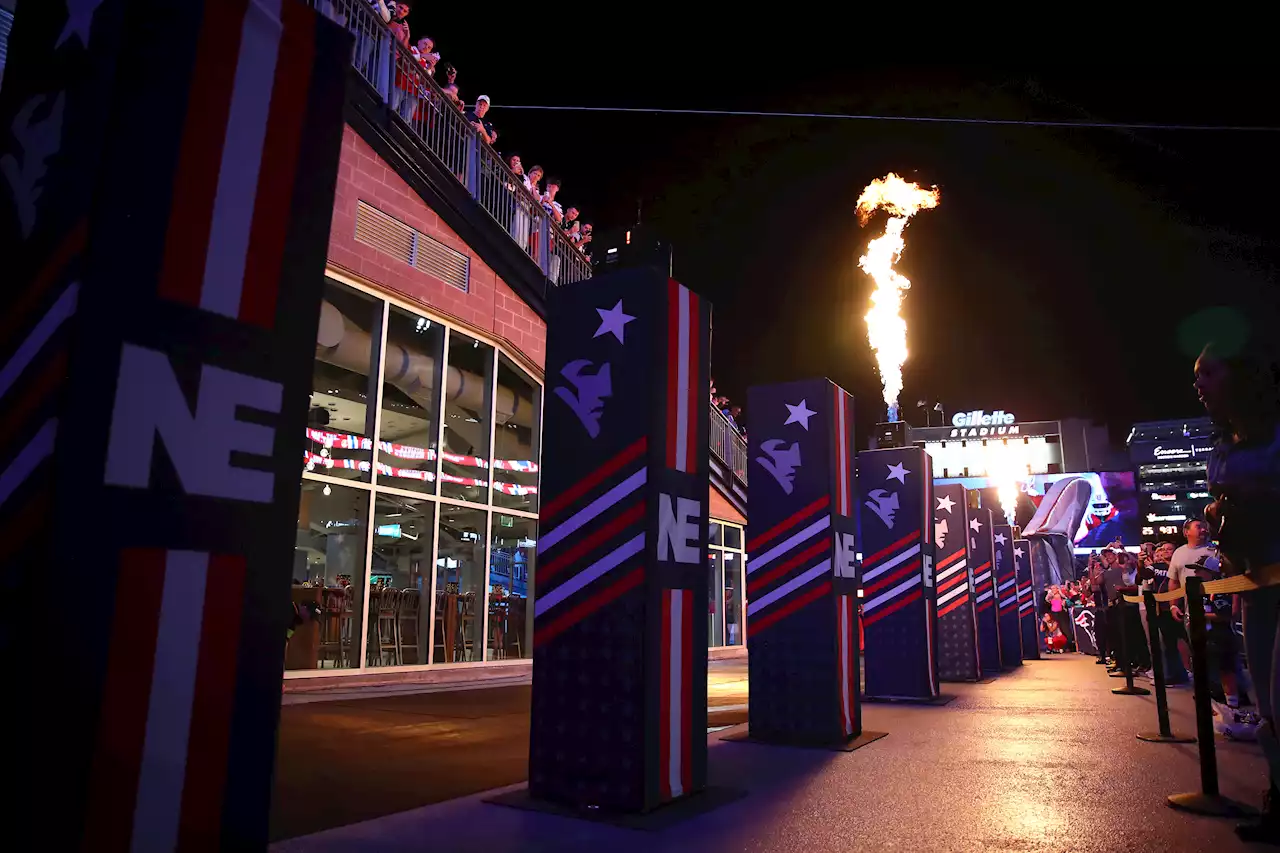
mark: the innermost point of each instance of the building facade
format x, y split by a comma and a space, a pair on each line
416, 548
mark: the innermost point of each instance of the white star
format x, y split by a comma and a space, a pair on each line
613, 320
799, 414
897, 472
975, 525
1000, 540
1018, 552
946, 503
79, 20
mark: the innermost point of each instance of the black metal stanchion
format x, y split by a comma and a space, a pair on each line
1165, 735
1206, 801
1126, 664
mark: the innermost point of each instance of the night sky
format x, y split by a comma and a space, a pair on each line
1061, 276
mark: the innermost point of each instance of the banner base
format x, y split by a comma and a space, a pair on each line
745, 736
657, 819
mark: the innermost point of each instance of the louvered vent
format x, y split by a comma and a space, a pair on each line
388, 234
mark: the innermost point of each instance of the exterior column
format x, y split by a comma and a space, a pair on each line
957, 621
1028, 609
164, 230
895, 486
1007, 597
802, 604
982, 559
619, 716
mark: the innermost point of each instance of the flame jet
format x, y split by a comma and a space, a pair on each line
886, 328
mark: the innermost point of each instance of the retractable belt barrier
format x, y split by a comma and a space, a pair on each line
1126, 661
1208, 800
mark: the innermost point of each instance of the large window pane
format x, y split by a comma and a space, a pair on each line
459, 604
410, 425
733, 566
328, 577
715, 572
733, 536
516, 438
511, 558
340, 421
400, 581
468, 399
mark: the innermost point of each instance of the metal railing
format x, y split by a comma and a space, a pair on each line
443, 128
728, 445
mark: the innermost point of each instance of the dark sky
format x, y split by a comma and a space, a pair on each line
1056, 279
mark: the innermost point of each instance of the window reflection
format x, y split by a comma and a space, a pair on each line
400, 581
726, 564
464, 468
340, 421
460, 571
516, 451
328, 577
715, 614
511, 559
409, 426
733, 598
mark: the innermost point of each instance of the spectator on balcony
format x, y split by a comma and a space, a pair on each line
476, 117
570, 215
572, 230
585, 238
520, 202
549, 203
399, 24
427, 55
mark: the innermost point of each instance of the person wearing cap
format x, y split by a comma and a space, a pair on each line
476, 117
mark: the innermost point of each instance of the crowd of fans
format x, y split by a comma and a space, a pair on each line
732, 413
413, 100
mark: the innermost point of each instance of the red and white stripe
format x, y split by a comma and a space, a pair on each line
165, 725
844, 489
848, 605
233, 188
675, 733
685, 397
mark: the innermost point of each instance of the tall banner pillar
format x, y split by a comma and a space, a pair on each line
982, 559
957, 623
802, 598
1007, 596
167, 175
1028, 611
619, 714
895, 488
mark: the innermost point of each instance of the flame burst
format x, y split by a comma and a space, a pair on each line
886, 329
1007, 469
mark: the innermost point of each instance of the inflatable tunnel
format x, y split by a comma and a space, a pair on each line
1052, 532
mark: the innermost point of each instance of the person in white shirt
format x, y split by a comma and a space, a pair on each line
1198, 548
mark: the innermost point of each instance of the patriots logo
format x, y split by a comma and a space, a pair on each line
940, 532
593, 388
883, 504
782, 462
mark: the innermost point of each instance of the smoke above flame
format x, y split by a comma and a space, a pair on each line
886, 328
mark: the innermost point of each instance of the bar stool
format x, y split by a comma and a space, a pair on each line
407, 617
388, 599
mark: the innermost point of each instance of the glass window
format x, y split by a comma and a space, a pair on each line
715, 534
515, 439
328, 577
733, 566
715, 612
733, 536
400, 581
410, 425
511, 559
340, 421
464, 470
460, 571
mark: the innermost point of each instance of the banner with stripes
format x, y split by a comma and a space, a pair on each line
895, 487
167, 193
1007, 595
801, 588
957, 623
1028, 611
981, 560
620, 590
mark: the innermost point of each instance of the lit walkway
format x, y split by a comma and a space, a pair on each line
1041, 759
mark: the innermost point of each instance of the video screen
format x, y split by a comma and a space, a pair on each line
1113, 508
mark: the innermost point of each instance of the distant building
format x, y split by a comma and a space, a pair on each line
1169, 457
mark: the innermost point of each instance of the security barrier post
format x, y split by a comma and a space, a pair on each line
1165, 734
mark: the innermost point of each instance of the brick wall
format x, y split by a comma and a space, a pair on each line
491, 305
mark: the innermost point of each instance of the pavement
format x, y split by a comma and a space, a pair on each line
1042, 759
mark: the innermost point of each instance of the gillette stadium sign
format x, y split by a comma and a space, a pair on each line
980, 424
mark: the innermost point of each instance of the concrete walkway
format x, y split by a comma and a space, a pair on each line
1044, 758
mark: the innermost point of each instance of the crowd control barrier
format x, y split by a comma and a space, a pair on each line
1126, 660
1165, 733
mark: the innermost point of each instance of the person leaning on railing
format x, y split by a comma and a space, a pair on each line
1239, 389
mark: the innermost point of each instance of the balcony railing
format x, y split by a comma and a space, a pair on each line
424, 108
728, 445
